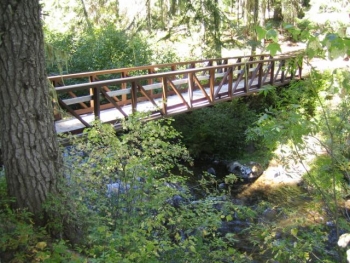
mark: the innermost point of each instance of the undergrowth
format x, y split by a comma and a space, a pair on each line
121, 201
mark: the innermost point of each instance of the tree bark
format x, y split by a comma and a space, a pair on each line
29, 144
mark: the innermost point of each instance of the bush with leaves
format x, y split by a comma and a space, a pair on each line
130, 195
328, 126
21, 241
97, 49
218, 130
100, 49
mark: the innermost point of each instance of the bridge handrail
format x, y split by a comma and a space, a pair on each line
151, 68
101, 83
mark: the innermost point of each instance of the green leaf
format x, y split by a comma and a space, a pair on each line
273, 48
229, 218
193, 249
272, 34
294, 232
261, 32
288, 26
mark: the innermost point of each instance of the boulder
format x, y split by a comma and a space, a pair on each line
117, 188
211, 171
251, 171
234, 226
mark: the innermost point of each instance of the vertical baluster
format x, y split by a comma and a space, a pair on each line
96, 100
165, 96
283, 70
211, 84
134, 96
92, 103
246, 76
173, 68
261, 68
150, 81
123, 86
225, 62
190, 88
230, 81
239, 60
272, 73
300, 67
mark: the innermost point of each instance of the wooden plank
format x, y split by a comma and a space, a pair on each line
78, 100
83, 105
119, 92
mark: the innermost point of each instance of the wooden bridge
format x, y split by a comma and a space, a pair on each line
165, 89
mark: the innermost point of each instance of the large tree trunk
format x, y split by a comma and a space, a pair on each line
29, 144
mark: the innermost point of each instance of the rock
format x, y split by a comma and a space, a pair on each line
176, 201
239, 170
333, 233
344, 240
120, 187
235, 226
251, 171
279, 174
222, 186
270, 214
117, 188
211, 171
257, 169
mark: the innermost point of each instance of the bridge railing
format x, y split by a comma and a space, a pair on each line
88, 77
193, 88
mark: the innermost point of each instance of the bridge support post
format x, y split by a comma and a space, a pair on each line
261, 68
230, 81
212, 84
190, 89
164, 96
300, 67
246, 75
134, 96
123, 86
96, 104
283, 70
272, 73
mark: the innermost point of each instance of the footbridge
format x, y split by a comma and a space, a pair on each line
165, 89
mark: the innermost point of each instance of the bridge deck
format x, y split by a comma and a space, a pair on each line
204, 87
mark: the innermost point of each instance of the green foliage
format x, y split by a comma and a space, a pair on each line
322, 115
132, 205
321, 42
120, 191
297, 245
288, 119
104, 48
218, 130
22, 241
269, 34
289, 230
330, 175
